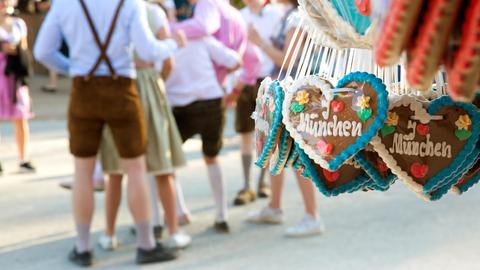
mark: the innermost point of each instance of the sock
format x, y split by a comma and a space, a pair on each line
247, 163
157, 217
83, 238
261, 178
218, 189
145, 238
182, 209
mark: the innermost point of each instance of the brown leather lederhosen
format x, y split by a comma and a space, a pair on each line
99, 100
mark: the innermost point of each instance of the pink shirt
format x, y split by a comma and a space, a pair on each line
225, 23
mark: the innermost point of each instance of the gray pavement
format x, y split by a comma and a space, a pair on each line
392, 230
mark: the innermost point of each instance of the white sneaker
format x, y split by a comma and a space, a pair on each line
180, 240
308, 226
266, 216
107, 242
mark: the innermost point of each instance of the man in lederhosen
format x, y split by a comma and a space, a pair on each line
100, 35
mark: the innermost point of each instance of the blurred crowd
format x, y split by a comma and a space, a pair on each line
148, 76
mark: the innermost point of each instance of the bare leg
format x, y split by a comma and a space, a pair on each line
157, 219
308, 194
277, 187
83, 200
182, 210
113, 198
52, 79
139, 201
167, 195
138, 195
22, 134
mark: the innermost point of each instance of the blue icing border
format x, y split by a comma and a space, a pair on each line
360, 142
377, 181
284, 152
311, 173
439, 193
293, 156
277, 121
360, 23
444, 177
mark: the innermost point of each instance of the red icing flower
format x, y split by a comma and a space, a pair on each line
331, 176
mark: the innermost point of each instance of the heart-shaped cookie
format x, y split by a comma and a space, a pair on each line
469, 179
427, 162
382, 177
268, 120
350, 177
326, 134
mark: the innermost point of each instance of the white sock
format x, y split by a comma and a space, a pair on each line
182, 209
218, 189
157, 217
83, 238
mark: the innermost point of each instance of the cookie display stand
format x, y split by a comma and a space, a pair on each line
365, 97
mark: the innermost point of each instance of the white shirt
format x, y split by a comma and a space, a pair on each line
16, 34
266, 23
193, 77
67, 20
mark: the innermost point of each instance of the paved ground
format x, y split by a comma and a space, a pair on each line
392, 230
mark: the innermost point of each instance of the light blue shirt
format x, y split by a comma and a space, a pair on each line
66, 20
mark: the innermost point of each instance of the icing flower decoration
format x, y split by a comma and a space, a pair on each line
296, 107
392, 119
363, 102
463, 122
303, 97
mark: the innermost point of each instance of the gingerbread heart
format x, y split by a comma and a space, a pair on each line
268, 123
382, 177
427, 162
350, 177
471, 177
330, 138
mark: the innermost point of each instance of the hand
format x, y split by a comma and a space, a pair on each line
9, 48
254, 36
231, 99
180, 38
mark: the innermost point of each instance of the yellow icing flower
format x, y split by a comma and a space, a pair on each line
363, 102
302, 97
392, 119
463, 122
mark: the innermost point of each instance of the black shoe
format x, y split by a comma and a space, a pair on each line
158, 254
1, 169
49, 89
157, 231
221, 227
27, 167
81, 259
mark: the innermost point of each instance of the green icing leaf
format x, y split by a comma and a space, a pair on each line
462, 134
296, 107
364, 114
387, 130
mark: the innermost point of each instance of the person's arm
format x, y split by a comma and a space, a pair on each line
49, 41
205, 21
147, 46
275, 54
222, 55
251, 65
167, 67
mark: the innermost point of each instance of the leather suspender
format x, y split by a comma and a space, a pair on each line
103, 47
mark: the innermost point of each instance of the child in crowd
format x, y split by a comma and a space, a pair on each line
15, 103
164, 146
197, 99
